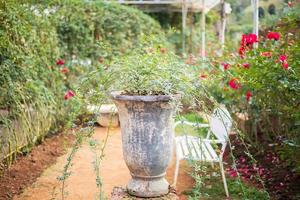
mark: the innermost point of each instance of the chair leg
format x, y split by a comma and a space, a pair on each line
224, 178
176, 171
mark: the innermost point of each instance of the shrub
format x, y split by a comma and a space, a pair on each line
45, 48
96, 30
264, 82
28, 50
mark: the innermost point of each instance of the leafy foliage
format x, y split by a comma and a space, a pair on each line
150, 72
266, 86
96, 29
46, 47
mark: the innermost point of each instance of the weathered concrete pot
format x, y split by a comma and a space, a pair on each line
147, 137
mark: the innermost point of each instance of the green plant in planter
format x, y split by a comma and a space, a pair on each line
151, 71
148, 82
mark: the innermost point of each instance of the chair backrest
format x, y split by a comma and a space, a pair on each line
220, 123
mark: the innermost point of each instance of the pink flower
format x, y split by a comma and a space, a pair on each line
69, 94
60, 62
242, 159
273, 36
225, 66
282, 58
248, 96
234, 84
232, 173
246, 65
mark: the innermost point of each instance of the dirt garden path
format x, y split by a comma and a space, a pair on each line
82, 182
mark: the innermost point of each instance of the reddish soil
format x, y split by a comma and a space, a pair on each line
26, 169
34, 177
82, 182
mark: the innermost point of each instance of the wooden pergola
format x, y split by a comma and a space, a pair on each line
203, 6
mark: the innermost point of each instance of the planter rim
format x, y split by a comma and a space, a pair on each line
117, 95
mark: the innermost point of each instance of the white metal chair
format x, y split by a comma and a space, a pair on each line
204, 149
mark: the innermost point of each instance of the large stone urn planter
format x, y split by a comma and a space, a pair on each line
147, 138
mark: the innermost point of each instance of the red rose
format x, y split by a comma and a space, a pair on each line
266, 54
247, 43
225, 66
285, 65
273, 36
69, 94
282, 58
60, 62
234, 84
64, 70
248, 96
246, 65
249, 39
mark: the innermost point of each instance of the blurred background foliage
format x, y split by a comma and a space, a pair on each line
34, 36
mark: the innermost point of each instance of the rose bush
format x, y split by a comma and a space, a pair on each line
264, 84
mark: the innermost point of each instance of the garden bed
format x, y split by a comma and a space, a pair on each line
280, 181
29, 167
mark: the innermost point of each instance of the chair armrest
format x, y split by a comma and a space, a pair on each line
197, 125
213, 141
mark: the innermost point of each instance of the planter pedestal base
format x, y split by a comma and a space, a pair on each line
120, 193
142, 187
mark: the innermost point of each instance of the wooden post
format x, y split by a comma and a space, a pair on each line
184, 14
191, 29
223, 25
255, 4
203, 30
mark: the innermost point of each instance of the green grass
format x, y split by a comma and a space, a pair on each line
189, 130
212, 188
215, 190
